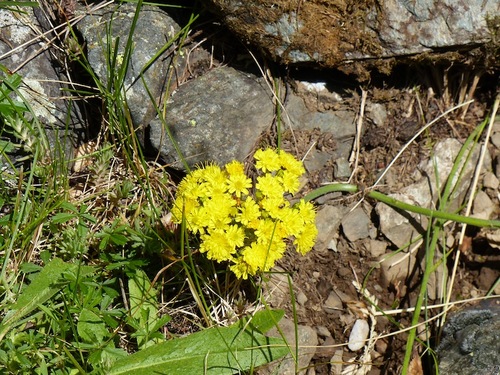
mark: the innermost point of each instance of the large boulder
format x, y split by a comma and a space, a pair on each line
216, 117
336, 33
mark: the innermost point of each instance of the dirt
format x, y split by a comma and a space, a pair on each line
324, 271
412, 96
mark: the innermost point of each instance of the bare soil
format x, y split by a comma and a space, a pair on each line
322, 271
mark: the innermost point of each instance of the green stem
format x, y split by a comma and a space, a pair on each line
436, 214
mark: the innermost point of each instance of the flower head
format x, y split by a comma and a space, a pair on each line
248, 230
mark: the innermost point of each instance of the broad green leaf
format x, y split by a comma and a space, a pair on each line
91, 327
143, 307
266, 319
62, 217
42, 288
216, 351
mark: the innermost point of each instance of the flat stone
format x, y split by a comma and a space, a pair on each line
340, 33
356, 225
483, 207
216, 117
490, 181
495, 139
328, 220
323, 331
301, 298
333, 303
307, 340
42, 85
377, 248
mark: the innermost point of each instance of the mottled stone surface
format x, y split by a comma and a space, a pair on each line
23, 51
400, 228
471, 341
337, 32
293, 333
106, 32
216, 117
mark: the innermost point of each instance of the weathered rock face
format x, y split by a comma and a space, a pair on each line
337, 32
471, 341
216, 117
23, 51
108, 29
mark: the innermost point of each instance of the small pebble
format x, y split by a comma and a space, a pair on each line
323, 331
358, 335
301, 298
332, 303
490, 181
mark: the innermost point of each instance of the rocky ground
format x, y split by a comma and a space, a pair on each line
226, 102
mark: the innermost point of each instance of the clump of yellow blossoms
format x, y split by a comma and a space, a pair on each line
245, 225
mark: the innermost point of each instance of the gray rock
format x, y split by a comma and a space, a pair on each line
396, 267
332, 303
356, 225
307, 340
328, 220
343, 170
490, 181
323, 331
340, 123
376, 248
483, 207
377, 113
338, 33
216, 117
471, 341
401, 229
108, 29
42, 83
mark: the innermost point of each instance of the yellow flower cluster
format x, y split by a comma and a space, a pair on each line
244, 224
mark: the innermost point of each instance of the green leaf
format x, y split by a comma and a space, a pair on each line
216, 350
42, 288
62, 217
143, 307
91, 327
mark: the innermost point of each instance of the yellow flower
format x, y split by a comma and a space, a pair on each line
216, 245
197, 219
242, 269
269, 186
307, 211
267, 160
268, 231
256, 256
292, 165
249, 213
235, 235
251, 232
215, 178
273, 206
221, 209
238, 184
235, 168
289, 181
305, 241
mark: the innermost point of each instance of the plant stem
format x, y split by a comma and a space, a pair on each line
350, 188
